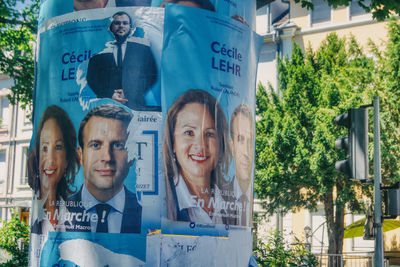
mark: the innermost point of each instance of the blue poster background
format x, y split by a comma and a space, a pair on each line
244, 8
119, 244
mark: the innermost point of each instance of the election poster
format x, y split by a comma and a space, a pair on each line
94, 158
208, 135
144, 133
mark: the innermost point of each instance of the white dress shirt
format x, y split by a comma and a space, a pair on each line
115, 51
192, 204
46, 224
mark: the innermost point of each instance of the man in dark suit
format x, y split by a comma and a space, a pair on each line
242, 148
126, 70
103, 203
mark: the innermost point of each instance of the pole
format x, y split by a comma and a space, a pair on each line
377, 188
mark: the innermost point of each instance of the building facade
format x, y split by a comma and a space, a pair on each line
282, 23
15, 136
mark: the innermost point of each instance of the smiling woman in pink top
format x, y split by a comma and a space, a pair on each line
196, 156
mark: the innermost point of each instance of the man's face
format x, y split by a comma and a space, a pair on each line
104, 157
242, 147
120, 26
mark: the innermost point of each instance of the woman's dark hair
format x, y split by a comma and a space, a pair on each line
69, 136
170, 163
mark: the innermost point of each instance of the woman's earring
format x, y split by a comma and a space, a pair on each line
174, 156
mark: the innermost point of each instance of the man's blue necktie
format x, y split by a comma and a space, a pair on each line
102, 223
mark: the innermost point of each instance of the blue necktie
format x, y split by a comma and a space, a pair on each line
102, 212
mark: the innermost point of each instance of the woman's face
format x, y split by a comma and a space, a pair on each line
52, 155
196, 142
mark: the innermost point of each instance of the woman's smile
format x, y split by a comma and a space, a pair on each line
196, 144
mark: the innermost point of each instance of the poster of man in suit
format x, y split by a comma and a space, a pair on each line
103, 203
126, 69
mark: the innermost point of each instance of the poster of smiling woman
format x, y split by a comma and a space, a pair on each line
208, 134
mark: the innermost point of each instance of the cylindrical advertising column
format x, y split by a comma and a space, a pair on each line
143, 145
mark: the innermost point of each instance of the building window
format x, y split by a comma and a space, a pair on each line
24, 167
321, 12
356, 9
27, 116
25, 215
3, 171
4, 111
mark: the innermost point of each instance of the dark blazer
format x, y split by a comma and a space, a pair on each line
233, 219
136, 76
131, 217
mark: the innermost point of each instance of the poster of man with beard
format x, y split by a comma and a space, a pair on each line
126, 69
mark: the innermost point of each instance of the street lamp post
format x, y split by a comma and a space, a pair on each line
309, 234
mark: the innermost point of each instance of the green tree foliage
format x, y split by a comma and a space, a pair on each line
275, 252
388, 84
18, 26
296, 131
11, 231
380, 9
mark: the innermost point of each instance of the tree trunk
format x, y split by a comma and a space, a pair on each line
335, 227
